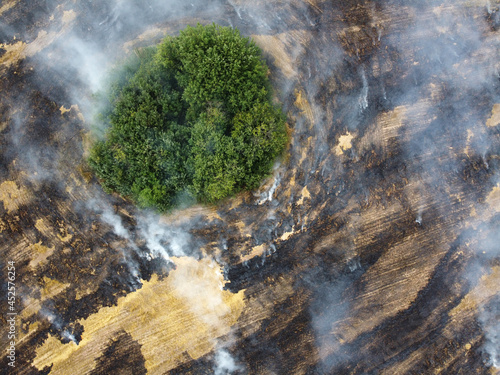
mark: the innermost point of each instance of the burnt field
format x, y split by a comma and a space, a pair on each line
373, 248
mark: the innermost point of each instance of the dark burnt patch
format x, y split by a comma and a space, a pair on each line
25, 19
122, 356
386, 346
190, 366
350, 51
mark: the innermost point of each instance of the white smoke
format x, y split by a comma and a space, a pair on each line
109, 217
162, 239
490, 322
57, 323
225, 363
267, 196
363, 96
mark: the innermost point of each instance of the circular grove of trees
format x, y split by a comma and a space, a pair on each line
190, 119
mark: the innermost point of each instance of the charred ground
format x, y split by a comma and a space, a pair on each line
374, 258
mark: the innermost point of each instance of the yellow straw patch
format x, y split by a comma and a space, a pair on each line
183, 313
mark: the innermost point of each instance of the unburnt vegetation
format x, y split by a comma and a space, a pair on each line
189, 120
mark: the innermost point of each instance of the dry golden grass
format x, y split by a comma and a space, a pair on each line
494, 120
7, 5
183, 313
344, 143
493, 199
303, 105
13, 196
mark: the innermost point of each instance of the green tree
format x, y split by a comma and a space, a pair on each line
259, 136
191, 117
214, 162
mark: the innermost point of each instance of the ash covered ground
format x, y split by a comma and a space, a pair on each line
373, 248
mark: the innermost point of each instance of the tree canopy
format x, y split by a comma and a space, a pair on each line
191, 117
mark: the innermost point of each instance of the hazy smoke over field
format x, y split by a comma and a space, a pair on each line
444, 64
70, 61
440, 75
447, 68
460, 67
80, 50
